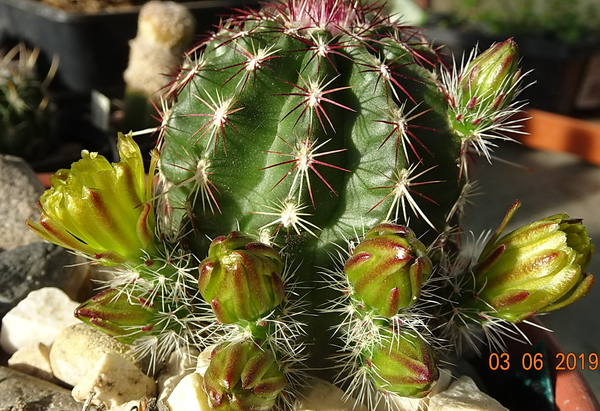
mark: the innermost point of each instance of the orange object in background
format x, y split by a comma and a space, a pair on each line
555, 132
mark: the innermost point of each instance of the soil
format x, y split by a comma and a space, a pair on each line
91, 6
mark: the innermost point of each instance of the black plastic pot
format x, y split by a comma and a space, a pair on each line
93, 48
564, 77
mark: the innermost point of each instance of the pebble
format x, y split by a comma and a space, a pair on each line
321, 395
78, 348
33, 394
144, 404
33, 360
464, 395
21, 190
40, 317
174, 370
188, 395
115, 381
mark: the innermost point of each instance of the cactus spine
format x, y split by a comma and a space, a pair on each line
312, 165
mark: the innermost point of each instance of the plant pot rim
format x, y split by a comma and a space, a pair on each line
571, 389
58, 15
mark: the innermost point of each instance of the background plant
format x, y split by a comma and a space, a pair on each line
25, 107
549, 19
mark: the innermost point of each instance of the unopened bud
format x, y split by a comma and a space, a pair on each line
241, 278
387, 268
489, 80
404, 364
242, 376
122, 316
534, 269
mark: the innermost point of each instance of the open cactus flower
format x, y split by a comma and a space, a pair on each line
313, 161
101, 210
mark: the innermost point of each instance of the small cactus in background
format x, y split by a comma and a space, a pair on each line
312, 166
25, 109
165, 31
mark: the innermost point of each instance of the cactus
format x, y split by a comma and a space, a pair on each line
165, 31
312, 166
25, 109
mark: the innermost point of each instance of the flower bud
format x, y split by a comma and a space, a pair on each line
122, 316
387, 268
488, 82
240, 278
100, 209
404, 364
534, 269
242, 376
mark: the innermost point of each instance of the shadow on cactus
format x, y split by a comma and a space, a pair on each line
313, 162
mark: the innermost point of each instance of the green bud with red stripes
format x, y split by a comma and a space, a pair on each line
536, 268
243, 376
241, 278
404, 363
387, 269
120, 315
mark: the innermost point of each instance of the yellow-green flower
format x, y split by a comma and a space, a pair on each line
535, 269
100, 209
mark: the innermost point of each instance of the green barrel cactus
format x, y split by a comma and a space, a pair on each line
302, 210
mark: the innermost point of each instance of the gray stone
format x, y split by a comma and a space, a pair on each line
20, 190
33, 394
34, 266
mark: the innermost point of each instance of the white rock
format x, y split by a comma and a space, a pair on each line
178, 366
419, 404
464, 395
204, 359
321, 395
40, 317
188, 395
33, 360
77, 349
115, 381
143, 404
128, 406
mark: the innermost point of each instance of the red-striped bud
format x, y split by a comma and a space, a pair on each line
387, 268
534, 269
241, 278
